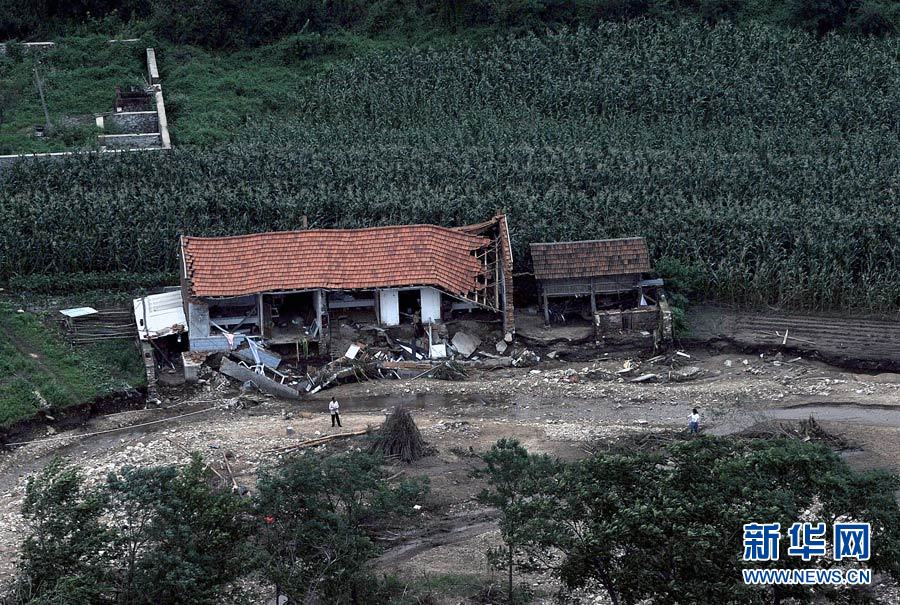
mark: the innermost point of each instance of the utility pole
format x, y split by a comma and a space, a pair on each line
48, 127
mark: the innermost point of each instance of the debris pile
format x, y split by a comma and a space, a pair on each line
805, 430
677, 372
399, 437
372, 353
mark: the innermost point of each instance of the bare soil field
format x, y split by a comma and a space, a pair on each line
560, 408
864, 342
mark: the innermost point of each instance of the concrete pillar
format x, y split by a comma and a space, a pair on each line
198, 319
431, 304
389, 304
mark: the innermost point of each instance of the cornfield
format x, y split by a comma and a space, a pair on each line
763, 163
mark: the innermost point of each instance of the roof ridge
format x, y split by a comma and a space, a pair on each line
453, 230
592, 241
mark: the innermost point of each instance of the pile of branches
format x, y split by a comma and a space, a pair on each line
399, 438
805, 430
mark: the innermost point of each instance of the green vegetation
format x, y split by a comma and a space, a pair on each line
229, 24
334, 501
40, 371
664, 526
91, 283
657, 524
169, 535
762, 164
226, 64
146, 535
79, 79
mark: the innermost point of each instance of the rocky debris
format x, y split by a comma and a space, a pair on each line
685, 374
343, 370
493, 364
646, 378
260, 381
525, 359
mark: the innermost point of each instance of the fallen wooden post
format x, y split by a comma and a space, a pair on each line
315, 442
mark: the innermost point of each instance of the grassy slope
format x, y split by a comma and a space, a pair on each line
35, 360
80, 76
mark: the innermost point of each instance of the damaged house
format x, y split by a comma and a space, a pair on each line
604, 278
285, 287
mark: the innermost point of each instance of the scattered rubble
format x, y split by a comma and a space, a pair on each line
525, 359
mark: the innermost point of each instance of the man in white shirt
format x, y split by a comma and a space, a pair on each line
694, 422
334, 407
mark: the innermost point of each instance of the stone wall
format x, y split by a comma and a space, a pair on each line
129, 141
634, 320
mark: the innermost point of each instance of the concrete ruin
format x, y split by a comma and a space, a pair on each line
128, 128
139, 118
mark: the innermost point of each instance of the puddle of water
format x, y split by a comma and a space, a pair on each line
856, 414
850, 413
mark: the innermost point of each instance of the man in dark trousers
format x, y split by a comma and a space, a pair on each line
335, 408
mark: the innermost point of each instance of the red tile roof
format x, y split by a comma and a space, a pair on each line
590, 258
346, 259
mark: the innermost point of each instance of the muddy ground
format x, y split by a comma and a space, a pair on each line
556, 407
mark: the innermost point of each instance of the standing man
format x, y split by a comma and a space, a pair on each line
334, 407
694, 422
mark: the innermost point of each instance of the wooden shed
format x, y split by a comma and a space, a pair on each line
592, 268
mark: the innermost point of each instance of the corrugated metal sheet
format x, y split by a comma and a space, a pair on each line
215, 344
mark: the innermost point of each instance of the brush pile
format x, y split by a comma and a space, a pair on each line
399, 437
805, 430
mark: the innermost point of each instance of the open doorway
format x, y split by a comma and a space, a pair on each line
410, 305
291, 316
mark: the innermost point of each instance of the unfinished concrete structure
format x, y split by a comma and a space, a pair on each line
282, 287
143, 129
610, 274
139, 120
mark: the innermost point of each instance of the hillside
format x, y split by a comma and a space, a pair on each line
39, 371
762, 164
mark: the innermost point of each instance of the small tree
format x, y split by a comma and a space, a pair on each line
158, 535
666, 527
315, 517
65, 552
176, 535
516, 482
